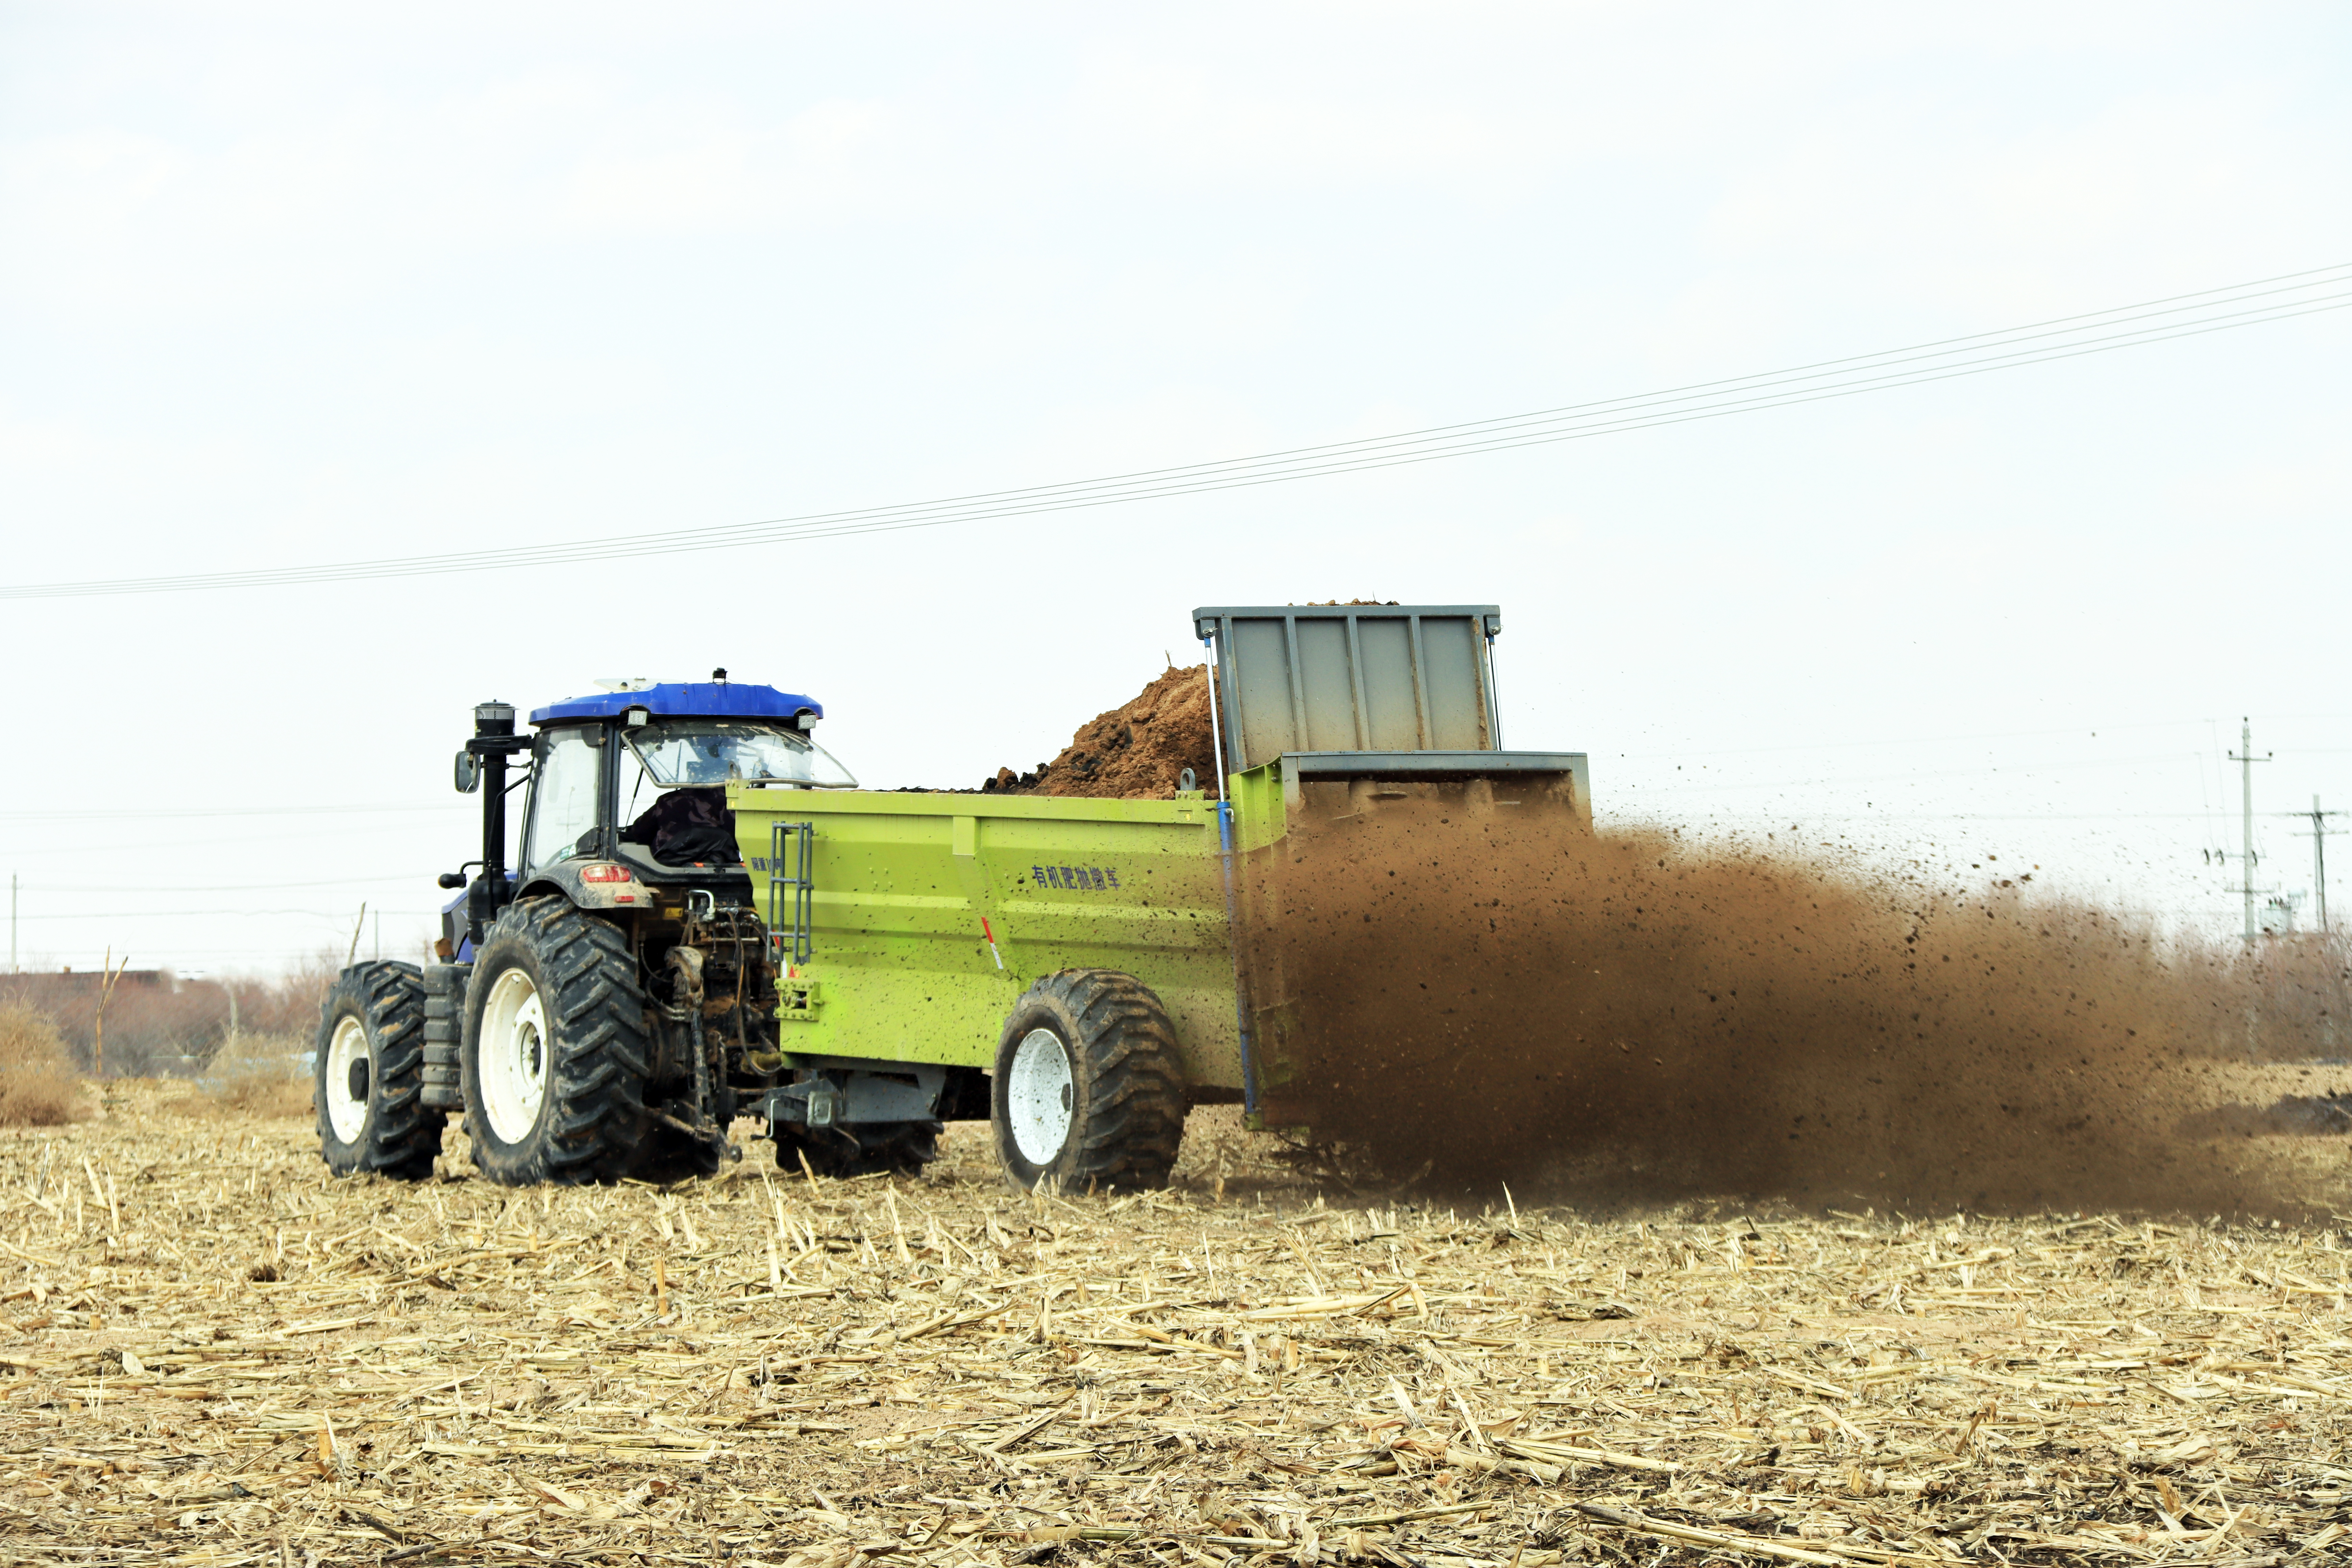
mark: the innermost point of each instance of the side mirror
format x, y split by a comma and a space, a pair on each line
469, 773
451, 878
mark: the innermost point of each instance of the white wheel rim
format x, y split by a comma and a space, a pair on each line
346, 1111
512, 1056
1039, 1096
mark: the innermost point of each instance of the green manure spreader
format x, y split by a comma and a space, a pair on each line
705, 919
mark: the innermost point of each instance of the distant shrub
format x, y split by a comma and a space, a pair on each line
159, 1025
37, 1085
252, 1075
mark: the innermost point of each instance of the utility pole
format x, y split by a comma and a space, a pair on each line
12, 923
2246, 759
2320, 834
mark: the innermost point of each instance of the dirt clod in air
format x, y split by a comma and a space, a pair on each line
1137, 751
1483, 999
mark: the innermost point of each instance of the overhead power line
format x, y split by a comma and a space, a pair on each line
77, 889
116, 815
339, 915
2239, 305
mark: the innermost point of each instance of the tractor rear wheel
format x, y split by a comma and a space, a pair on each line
1090, 1087
370, 1078
556, 1048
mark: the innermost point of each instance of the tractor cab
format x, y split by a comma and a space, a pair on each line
648, 785
626, 792
606, 1002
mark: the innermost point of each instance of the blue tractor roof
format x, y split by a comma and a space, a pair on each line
684, 699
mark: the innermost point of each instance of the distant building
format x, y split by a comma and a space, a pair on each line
2278, 913
76, 981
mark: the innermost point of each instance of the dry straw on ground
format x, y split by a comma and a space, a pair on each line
215, 1354
255, 1075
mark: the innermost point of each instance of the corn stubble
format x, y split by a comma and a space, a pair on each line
212, 1352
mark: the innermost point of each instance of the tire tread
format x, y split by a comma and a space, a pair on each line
403, 1134
1136, 1099
600, 1057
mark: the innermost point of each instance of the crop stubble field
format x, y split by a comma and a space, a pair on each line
215, 1353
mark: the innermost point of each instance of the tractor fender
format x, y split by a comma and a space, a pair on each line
576, 881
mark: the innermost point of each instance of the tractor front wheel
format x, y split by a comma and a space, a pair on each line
370, 1078
556, 1052
1089, 1089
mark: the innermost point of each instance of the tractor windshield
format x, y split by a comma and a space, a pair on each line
717, 751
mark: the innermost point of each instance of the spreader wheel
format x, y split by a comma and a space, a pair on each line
369, 1081
1088, 1092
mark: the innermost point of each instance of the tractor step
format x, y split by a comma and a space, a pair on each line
444, 1024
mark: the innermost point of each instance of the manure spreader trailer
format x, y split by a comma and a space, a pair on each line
706, 919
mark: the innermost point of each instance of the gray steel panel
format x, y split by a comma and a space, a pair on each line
1331, 678
1454, 660
1569, 778
1391, 692
1427, 764
1204, 619
1329, 686
1264, 709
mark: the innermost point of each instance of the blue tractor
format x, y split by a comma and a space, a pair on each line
604, 1007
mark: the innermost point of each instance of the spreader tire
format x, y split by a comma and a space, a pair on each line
556, 1048
1088, 1092
369, 1082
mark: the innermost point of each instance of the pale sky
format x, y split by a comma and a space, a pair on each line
282, 284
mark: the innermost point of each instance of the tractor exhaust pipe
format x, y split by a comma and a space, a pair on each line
494, 739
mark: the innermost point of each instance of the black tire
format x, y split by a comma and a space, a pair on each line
896, 1148
1120, 1076
370, 1075
563, 1099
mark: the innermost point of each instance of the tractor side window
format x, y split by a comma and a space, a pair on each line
562, 798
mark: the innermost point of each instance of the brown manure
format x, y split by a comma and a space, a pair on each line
1137, 751
1484, 999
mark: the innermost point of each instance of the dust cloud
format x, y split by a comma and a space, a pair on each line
1482, 998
